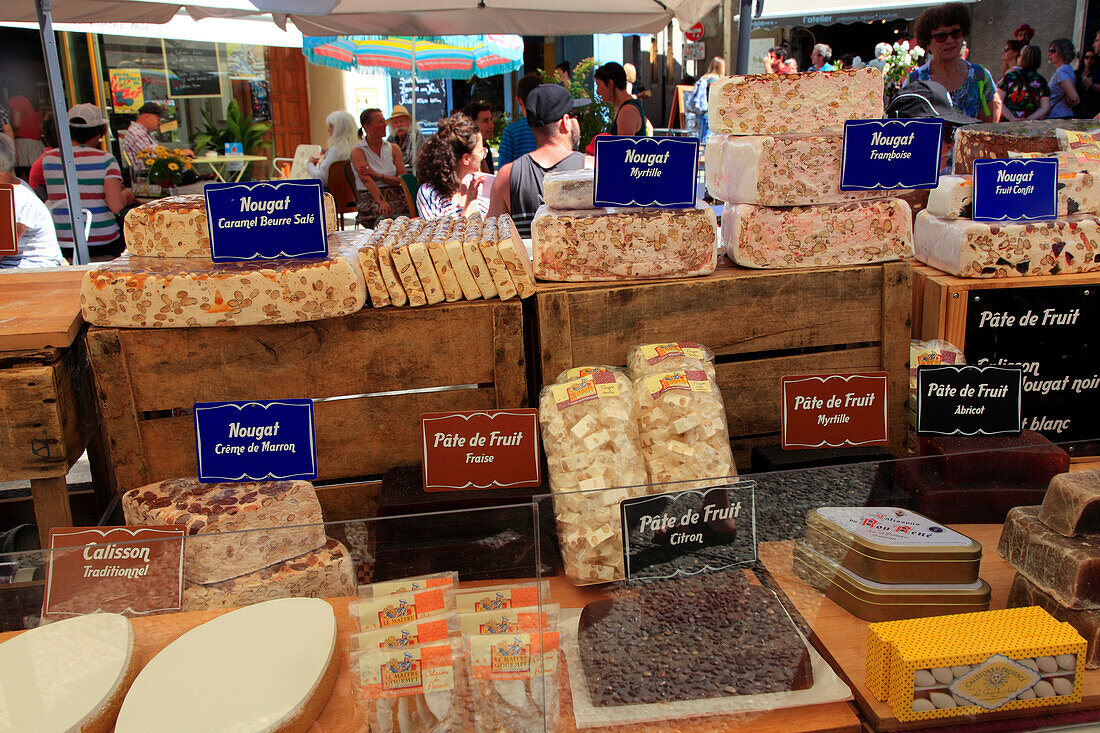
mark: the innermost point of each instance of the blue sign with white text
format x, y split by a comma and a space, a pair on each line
888, 154
266, 220
1016, 189
259, 440
646, 171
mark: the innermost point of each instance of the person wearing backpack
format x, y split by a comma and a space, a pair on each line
697, 102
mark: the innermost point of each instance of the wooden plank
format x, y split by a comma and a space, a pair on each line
555, 345
349, 502
842, 638
934, 313
896, 330
41, 308
358, 437
509, 362
369, 351
51, 506
734, 313
742, 448
125, 452
32, 429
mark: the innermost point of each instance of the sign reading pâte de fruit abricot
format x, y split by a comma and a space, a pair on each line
1015, 190
131, 570
645, 171
835, 410
8, 241
889, 154
258, 440
266, 220
969, 400
481, 449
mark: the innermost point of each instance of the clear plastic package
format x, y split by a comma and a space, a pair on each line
506, 289
368, 261
437, 249
584, 371
422, 261
510, 620
682, 429
409, 585
383, 611
514, 682
926, 353
421, 689
430, 630
646, 359
590, 435
499, 597
471, 249
569, 189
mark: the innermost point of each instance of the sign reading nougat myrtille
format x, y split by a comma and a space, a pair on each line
645, 171
266, 220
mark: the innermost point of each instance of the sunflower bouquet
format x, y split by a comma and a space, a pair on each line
165, 167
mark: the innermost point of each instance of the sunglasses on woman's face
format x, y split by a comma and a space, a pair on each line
954, 34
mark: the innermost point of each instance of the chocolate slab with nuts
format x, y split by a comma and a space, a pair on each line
688, 639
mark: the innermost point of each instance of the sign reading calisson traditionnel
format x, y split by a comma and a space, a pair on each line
645, 171
266, 220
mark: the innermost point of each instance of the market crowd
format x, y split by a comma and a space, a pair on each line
392, 168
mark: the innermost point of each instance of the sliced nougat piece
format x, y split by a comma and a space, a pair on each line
458, 260
472, 251
514, 254
437, 250
488, 245
422, 261
384, 250
372, 272
403, 265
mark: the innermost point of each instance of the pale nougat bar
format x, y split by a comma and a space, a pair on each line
623, 244
422, 261
403, 263
325, 573
773, 104
368, 261
682, 429
595, 461
817, 236
458, 259
232, 528
437, 249
514, 254
178, 292
1078, 193
506, 289
779, 170
176, 226
471, 250
1008, 249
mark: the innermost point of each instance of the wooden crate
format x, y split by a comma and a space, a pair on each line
761, 324
357, 363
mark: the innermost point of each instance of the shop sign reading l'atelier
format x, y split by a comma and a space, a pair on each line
266, 220
645, 171
481, 449
834, 411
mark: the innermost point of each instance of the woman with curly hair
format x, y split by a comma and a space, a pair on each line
450, 166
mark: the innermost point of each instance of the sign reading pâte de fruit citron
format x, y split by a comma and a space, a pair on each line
266, 220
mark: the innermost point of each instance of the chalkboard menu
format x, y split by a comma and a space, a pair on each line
192, 68
1053, 333
431, 98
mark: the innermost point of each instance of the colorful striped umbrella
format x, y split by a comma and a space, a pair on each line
423, 57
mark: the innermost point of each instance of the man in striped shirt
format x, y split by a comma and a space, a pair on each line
100, 187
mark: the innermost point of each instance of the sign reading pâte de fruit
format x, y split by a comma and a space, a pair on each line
8, 239
482, 449
835, 410
266, 220
130, 570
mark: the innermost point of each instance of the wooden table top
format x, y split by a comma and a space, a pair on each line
39, 309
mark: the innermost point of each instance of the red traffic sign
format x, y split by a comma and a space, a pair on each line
695, 33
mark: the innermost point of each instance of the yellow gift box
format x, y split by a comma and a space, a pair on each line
974, 663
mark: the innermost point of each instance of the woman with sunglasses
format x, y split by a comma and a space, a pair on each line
942, 30
1063, 90
1088, 84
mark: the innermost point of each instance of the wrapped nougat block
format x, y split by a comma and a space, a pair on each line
384, 251
458, 260
682, 428
1081, 161
592, 451
514, 682
422, 261
1076, 140
437, 249
494, 262
418, 689
403, 264
368, 261
646, 359
515, 256
584, 371
569, 189
472, 250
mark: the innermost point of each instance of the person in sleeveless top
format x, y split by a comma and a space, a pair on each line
378, 165
629, 119
517, 189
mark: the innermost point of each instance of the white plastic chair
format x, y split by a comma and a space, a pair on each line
302, 154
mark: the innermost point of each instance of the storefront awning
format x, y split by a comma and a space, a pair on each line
791, 13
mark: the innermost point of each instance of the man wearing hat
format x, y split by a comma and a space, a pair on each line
137, 142
407, 135
517, 189
1024, 33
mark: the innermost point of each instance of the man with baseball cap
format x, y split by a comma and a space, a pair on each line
517, 189
137, 142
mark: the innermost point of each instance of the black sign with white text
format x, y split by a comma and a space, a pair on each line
969, 400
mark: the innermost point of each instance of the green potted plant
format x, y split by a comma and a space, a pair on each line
239, 128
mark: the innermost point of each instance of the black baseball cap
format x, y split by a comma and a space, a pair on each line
548, 103
926, 99
151, 108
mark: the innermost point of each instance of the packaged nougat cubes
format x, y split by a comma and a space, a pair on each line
590, 436
647, 359
682, 428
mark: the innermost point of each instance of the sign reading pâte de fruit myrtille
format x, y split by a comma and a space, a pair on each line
888, 154
1015, 190
835, 410
266, 220
259, 440
969, 400
691, 531
645, 171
